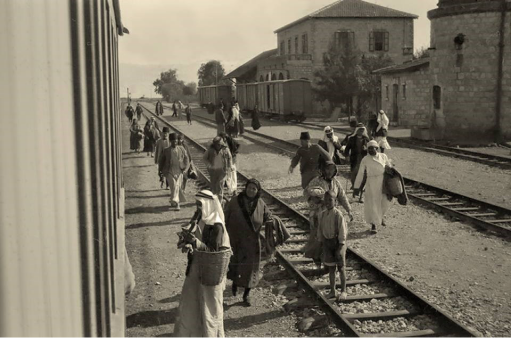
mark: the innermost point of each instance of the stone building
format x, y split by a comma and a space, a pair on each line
462, 91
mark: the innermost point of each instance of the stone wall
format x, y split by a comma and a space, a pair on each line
468, 76
414, 109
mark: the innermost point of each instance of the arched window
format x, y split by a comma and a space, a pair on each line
281, 76
261, 78
436, 97
266, 77
288, 76
273, 77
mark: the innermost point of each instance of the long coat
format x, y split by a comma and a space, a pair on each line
136, 136
244, 235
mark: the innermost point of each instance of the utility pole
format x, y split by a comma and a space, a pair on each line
215, 74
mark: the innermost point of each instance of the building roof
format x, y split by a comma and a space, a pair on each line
352, 9
405, 67
252, 63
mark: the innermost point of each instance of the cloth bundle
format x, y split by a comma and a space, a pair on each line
392, 178
276, 234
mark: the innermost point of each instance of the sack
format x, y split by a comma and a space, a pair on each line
192, 174
394, 185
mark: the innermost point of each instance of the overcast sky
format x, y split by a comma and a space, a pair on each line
182, 34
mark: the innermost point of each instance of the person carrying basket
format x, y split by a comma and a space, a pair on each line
206, 241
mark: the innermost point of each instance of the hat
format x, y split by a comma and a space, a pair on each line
381, 111
165, 129
328, 130
218, 140
373, 143
305, 136
173, 137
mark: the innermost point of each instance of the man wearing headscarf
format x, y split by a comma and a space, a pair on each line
219, 163
331, 144
201, 312
376, 202
172, 164
138, 110
381, 132
353, 126
357, 149
309, 155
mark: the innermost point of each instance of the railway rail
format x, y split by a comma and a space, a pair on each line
484, 215
365, 281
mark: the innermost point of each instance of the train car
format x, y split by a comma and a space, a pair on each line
289, 99
241, 96
215, 93
62, 252
251, 95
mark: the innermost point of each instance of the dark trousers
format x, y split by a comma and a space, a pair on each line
189, 118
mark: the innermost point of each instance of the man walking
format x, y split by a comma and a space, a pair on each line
220, 119
219, 162
309, 156
138, 110
172, 164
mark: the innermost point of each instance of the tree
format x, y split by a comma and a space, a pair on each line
347, 75
190, 89
211, 73
169, 86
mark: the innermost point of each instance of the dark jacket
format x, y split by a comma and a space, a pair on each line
336, 158
220, 118
389, 173
351, 148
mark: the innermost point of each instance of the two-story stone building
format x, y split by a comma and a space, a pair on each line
370, 28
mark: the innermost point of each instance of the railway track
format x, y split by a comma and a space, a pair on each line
484, 215
394, 310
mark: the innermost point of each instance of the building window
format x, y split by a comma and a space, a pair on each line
404, 96
344, 40
261, 78
296, 45
289, 46
304, 43
266, 77
273, 77
436, 96
281, 76
379, 41
387, 92
282, 48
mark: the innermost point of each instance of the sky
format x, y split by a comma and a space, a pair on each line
183, 34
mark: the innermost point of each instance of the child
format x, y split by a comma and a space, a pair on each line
332, 232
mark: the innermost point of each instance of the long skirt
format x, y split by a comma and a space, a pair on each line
383, 142
375, 202
149, 144
232, 181
221, 128
217, 179
135, 141
175, 182
354, 168
200, 312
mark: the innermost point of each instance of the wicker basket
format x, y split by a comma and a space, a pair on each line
213, 266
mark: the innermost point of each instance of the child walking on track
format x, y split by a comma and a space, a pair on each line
332, 232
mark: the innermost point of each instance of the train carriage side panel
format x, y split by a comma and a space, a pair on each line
281, 98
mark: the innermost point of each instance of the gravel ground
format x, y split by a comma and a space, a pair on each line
457, 175
465, 272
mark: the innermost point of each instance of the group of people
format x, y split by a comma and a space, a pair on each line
142, 138
228, 119
324, 192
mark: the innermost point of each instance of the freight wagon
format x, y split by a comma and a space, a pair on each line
213, 94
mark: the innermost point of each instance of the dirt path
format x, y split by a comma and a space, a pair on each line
465, 272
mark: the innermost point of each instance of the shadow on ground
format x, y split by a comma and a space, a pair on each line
152, 318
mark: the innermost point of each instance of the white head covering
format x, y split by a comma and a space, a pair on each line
211, 213
329, 141
373, 143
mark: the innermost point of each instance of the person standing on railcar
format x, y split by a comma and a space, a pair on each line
357, 150
219, 163
220, 120
376, 202
188, 112
172, 164
136, 136
381, 132
138, 110
309, 155
161, 144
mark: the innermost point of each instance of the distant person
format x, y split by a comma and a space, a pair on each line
233, 146
136, 136
181, 142
255, 124
172, 165
188, 112
222, 104
174, 110
160, 146
220, 120
332, 232
233, 121
353, 125
381, 132
151, 135
219, 163
159, 109
356, 150
309, 156
372, 125
376, 202
138, 110
129, 112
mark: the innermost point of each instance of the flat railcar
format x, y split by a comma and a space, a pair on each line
62, 202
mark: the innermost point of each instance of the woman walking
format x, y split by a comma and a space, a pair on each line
245, 215
357, 149
376, 202
151, 135
381, 132
201, 311
136, 136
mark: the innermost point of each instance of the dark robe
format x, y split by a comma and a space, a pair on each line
244, 233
